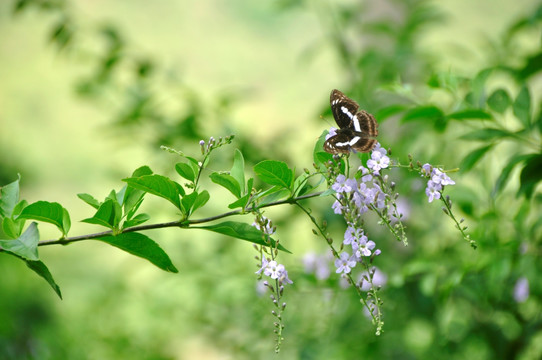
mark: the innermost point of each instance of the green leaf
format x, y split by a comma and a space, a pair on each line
321, 158
427, 113
241, 231
187, 201
9, 197
39, 268
279, 194
470, 114
158, 185
238, 169
201, 200
12, 228
66, 222
25, 246
133, 197
18, 209
530, 176
499, 101
132, 201
241, 202
532, 66
267, 192
50, 212
185, 171
136, 220
227, 181
180, 189
300, 184
89, 199
486, 134
142, 170
116, 197
471, 159
108, 215
522, 107
319, 148
505, 173
193, 163
478, 87
274, 173
141, 245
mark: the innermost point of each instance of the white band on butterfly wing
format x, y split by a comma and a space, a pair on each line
353, 117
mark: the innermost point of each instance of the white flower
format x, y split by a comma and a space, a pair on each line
345, 263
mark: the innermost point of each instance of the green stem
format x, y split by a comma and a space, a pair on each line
457, 223
349, 276
181, 224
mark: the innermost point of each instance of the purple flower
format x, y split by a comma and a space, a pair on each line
274, 271
364, 248
342, 184
345, 263
365, 174
359, 201
441, 178
378, 160
380, 149
283, 277
521, 290
433, 190
353, 235
437, 182
337, 207
264, 266
427, 169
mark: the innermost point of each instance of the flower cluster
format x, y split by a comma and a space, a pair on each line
270, 268
275, 271
264, 225
356, 197
361, 247
207, 147
379, 159
437, 180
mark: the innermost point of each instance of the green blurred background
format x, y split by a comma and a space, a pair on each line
89, 90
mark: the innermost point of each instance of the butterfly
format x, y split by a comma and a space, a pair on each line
357, 128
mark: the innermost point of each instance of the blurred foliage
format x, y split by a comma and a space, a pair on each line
133, 86
441, 297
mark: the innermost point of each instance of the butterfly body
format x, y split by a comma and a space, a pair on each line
357, 128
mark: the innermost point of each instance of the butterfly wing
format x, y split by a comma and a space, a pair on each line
347, 140
339, 143
367, 123
344, 109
